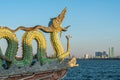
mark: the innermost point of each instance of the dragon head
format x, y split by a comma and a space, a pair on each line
57, 21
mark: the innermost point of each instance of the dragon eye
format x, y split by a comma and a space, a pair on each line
57, 21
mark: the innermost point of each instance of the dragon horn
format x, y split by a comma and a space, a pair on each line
62, 15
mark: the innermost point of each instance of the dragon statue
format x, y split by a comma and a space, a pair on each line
40, 66
31, 33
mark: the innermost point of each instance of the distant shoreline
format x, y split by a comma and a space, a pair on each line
99, 59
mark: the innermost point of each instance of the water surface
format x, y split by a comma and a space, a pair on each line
95, 70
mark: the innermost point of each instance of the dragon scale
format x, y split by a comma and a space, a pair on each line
12, 44
41, 49
27, 47
57, 46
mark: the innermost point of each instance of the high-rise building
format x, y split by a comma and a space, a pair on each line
111, 52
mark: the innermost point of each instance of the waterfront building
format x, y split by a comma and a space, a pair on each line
111, 52
86, 56
98, 54
101, 54
104, 54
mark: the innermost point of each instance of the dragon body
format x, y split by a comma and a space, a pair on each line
30, 34
12, 44
27, 39
57, 46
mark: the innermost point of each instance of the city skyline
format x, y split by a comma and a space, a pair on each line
100, 54
94, 24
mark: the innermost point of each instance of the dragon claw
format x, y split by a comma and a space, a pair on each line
68, 36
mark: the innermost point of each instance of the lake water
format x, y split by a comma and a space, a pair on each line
95, 70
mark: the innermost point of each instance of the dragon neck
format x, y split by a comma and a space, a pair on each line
56, 43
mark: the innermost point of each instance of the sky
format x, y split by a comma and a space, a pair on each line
95, 24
